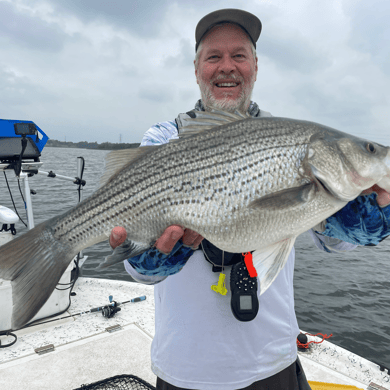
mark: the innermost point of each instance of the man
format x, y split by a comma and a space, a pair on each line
198, 343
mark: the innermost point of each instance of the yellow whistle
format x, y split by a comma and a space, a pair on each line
220, 288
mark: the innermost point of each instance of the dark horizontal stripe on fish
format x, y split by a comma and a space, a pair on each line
205, 167
125, 207
142, 180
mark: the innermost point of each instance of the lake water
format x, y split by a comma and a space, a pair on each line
347, 295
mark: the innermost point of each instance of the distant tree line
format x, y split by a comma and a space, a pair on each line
90, 145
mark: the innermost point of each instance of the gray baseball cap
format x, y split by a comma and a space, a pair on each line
250, 23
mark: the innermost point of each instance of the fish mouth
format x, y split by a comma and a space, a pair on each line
325, 188
330, 192
322, 184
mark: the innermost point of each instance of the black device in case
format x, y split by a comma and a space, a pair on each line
244, 302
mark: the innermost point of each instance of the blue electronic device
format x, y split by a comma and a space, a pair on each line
12, 134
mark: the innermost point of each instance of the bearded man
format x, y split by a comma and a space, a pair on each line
199, 343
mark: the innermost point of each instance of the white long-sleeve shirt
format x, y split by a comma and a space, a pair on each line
198, 343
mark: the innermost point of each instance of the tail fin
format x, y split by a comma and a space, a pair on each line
34, 262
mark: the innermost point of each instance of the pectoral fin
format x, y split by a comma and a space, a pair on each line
125, 251
288, 198
270, 261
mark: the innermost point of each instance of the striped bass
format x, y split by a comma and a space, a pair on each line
244, 184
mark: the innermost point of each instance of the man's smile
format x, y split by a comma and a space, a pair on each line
226, 85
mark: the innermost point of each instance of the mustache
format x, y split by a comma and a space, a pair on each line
231, 77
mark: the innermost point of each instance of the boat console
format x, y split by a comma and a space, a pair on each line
11, 134
21, 144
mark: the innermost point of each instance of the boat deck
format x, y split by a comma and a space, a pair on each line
85, 352
81, 362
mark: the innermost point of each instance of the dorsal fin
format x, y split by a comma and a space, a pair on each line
118, 159
204, 120
207, 119
197, 121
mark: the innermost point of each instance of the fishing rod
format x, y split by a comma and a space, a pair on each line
108, 311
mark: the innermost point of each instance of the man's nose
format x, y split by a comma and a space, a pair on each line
227, 65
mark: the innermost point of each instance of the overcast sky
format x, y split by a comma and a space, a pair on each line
94, 69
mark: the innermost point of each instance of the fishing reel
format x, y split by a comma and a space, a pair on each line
108, 311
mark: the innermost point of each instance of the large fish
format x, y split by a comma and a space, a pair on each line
245, 184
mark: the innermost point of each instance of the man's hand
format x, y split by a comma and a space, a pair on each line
383, 198
173, 234
363, 221
166, 242
168, 256
117, 237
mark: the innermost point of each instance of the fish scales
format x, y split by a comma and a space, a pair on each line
167, 189
246, 185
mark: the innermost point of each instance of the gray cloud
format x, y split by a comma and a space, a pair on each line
17, 90
345, 109
190, 95
96, 71
341, 108
184, 58
142, 17
370, 29
156, 92
130, 72
28, 31
291, 52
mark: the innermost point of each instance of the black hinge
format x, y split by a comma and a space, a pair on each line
45, 349
113, 328
374, 386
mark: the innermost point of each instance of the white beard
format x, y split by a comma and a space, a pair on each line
225, 104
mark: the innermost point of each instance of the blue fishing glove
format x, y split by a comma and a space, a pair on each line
154, 262
361, 222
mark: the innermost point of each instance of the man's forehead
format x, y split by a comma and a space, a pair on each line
217, 48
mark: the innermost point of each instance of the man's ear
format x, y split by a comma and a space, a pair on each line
196, 73
256, 70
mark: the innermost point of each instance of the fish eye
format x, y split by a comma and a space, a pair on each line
370, 147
